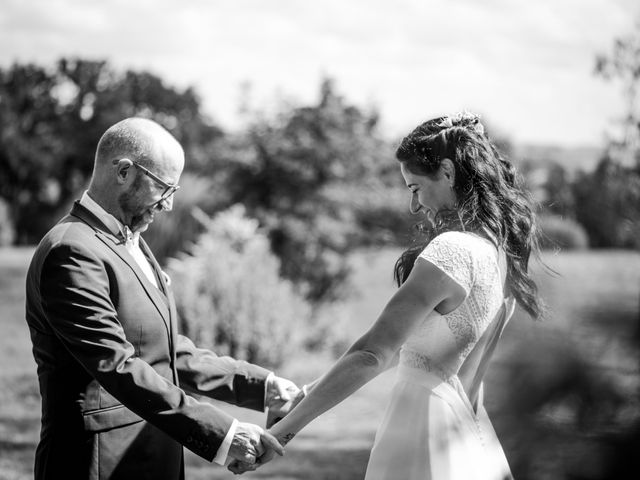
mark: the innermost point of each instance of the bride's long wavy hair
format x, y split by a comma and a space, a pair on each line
490, 198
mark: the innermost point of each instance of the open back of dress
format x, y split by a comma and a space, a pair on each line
474, 368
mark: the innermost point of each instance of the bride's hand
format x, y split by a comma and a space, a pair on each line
239, 467
278, 411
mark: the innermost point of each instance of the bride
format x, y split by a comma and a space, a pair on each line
457, 291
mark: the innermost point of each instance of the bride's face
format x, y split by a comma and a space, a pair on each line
429, 195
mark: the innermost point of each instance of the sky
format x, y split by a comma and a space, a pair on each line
525, 65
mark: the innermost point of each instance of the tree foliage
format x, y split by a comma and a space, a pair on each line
52, 118
295, 173
608, 199
623, 64
608, 204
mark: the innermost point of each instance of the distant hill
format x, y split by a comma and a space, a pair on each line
571, 158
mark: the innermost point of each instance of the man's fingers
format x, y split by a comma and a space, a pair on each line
239, 467
259, 449
235, 467
269, 441
266, 458
283, 393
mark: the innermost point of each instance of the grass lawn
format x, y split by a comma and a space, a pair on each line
593, 310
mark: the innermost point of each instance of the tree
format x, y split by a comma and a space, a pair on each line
558, 192
608, 204
50, 123
608, 199
297, 174
623, 64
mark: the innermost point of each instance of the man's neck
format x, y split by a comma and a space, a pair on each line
106, 202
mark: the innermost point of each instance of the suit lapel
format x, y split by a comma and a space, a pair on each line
166, 289
117, 245
173, 315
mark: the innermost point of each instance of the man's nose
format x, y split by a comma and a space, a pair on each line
166, 204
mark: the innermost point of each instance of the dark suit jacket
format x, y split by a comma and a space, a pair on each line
113, 371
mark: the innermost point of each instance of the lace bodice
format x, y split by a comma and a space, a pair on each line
442, 342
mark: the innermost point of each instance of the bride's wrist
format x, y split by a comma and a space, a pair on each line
285, 438
283, 435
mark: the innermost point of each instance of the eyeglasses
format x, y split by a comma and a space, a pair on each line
169, 189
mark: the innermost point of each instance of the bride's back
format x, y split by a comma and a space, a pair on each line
446, 344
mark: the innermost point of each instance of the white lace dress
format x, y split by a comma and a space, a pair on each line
435, 426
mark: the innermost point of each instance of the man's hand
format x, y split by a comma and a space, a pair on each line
280, 390
282, 396
251, 442
239, 467
277, 411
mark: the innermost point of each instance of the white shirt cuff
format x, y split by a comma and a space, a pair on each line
267, 382
223, 451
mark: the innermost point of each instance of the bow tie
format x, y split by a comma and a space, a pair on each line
126, 235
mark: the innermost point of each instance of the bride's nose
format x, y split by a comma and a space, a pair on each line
414, 204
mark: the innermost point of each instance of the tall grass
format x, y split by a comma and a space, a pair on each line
19, 397
593, 318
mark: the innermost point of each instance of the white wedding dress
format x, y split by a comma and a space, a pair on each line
435, 426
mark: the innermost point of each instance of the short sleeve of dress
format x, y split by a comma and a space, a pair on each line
452, 252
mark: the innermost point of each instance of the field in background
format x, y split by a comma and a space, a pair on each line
593, 307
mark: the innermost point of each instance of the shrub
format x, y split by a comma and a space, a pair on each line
230, 297
330, 329
172, 231
608, 204
562, 233
380, 213
7, 231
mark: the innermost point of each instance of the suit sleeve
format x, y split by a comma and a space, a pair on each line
74, 289
222, 378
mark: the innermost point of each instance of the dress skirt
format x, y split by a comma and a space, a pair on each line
430, 431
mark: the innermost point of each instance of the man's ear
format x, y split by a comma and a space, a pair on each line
123, 168
448, 170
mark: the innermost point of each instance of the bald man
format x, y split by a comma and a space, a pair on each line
115, 377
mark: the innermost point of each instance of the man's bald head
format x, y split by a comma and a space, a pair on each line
137, 162
141, 140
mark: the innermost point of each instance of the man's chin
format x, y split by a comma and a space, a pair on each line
141, 223
142, 228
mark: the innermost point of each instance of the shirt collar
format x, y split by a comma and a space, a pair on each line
112, 223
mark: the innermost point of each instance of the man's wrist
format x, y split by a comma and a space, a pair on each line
268, 388
222, 455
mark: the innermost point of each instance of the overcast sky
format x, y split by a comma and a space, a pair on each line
525, 65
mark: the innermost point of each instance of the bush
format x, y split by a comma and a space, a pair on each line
329, 331
230, 297
173, 231
379, 212
7, 231
608, 204
562, 233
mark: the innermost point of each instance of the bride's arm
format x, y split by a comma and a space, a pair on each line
310, 386
426, 288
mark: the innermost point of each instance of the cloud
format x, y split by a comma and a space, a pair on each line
527, 65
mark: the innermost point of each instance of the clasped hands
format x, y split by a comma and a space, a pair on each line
252, 446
